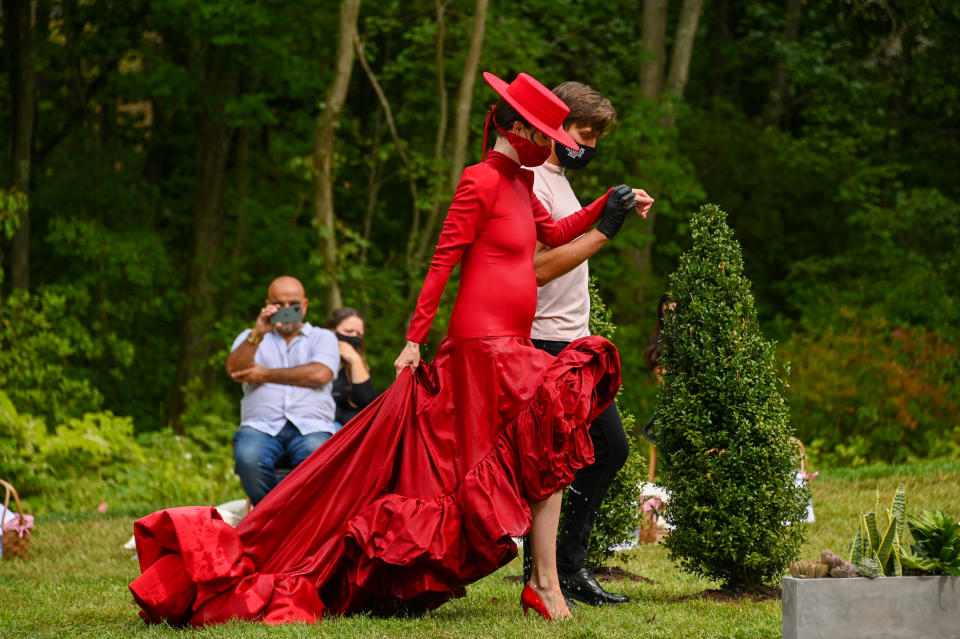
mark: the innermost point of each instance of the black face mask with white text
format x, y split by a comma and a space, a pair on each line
575, 159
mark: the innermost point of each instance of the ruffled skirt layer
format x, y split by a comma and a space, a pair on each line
415, 498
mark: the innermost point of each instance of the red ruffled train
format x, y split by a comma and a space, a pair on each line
414, 499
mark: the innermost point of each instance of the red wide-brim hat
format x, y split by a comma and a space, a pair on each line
537, 104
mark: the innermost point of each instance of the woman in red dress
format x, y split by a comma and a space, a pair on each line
422, 492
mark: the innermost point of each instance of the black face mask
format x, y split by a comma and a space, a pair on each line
575, 159
352, 340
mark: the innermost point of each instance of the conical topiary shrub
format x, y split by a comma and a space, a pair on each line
722, 422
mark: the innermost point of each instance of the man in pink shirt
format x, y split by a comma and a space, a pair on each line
563, 313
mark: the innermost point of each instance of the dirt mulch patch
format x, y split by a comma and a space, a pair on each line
732, 596
613, 573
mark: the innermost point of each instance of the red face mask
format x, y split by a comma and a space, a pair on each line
528, 153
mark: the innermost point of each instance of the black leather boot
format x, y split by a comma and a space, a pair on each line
576, 580
582, 586
527, 560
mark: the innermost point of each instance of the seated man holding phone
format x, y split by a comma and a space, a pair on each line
287, 368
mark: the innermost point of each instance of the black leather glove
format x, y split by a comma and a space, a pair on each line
615, 209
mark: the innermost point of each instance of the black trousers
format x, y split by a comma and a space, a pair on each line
590, 484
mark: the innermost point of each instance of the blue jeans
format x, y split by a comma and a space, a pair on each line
258, 455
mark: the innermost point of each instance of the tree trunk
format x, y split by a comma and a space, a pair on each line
779, 102
323, 148
683, 47
213, 150
374, 183
18, 34
461, 123
461, 126
654, 36
907, 82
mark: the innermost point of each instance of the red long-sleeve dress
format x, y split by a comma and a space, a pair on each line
421, 493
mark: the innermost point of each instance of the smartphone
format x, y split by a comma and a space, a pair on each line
286, 315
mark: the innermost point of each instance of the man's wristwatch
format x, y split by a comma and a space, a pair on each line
254, 338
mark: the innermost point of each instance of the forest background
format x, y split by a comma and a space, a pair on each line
166, 159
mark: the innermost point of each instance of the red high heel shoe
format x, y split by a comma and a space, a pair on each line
530, 599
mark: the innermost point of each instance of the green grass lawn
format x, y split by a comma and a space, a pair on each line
75, 582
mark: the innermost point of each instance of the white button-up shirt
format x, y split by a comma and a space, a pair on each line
267, 407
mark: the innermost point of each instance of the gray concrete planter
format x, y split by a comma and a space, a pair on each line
858, 608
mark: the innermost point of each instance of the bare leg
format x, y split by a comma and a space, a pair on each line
543, 543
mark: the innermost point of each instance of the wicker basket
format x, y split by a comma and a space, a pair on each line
14, 545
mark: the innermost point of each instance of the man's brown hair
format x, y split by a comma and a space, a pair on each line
587, 107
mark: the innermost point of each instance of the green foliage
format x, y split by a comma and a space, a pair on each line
936, 547
864, 390
903, 262
96, 446
20, 439
877, 548
601, 318
876, 372
12, 204
722, 422
97, 458
44, 348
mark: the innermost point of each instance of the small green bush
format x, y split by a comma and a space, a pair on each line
44, 348
98, 459
722, 422
20, 439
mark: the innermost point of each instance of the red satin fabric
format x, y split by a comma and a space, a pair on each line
493, 226
414, 499
420, 494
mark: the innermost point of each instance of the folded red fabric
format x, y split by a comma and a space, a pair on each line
415, 498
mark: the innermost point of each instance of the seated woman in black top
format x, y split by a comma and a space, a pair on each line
353, 388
